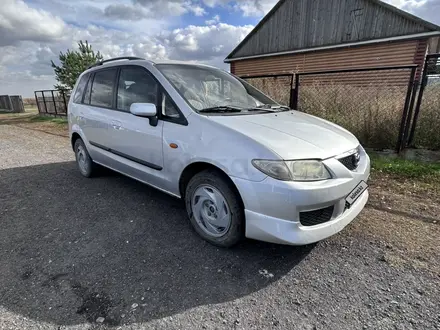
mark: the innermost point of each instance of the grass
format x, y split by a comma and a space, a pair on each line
31, 120
406, 169
55, 120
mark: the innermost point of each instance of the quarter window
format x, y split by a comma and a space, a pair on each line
102, 88
80, 89
135, 86
168, 108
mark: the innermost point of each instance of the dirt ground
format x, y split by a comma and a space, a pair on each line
109, 252
28, 120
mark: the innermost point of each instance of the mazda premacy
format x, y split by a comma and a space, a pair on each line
244, 165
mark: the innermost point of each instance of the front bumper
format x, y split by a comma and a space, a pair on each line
264, 228
272, 207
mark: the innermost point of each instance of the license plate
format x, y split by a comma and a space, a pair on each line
356, 193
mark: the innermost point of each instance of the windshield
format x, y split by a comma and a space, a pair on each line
206, 88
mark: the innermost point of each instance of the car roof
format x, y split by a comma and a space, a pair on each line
143, 62
182, 63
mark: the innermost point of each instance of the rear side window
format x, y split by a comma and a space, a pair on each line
88, 91
80, 88
102, 88
135, 86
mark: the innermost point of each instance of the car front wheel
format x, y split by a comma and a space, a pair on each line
215, 209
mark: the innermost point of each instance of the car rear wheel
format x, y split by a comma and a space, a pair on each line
85, 164
215, 209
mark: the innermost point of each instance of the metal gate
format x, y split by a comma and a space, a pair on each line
373, 103
52, 102
425, 128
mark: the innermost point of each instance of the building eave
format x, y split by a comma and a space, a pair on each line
346, 45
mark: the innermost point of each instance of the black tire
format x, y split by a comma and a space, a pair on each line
89, 168
236, 230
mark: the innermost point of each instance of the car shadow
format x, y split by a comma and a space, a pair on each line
74, 250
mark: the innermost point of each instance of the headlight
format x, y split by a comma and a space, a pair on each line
275, 168
308, 170
294, 170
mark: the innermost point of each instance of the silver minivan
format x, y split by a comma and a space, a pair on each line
244, 165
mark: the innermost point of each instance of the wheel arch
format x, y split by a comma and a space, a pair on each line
75, 136
200, 166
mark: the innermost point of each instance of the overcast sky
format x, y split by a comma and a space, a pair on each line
33, 32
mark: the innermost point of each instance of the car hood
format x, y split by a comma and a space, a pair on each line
293, 134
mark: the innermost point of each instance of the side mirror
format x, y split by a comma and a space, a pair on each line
147, 110
143, 109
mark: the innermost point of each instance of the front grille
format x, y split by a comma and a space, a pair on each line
316, 217
351, 162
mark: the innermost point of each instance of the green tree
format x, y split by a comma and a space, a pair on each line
73, 63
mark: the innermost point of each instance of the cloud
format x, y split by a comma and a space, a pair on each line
197, 10
255, 7
426, 9
32, 34
19, 22
215, 19
165, 7
24, 83
141, 9
125, 12
247, 7
205, 43
42, 65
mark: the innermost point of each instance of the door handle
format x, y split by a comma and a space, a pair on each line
116, 124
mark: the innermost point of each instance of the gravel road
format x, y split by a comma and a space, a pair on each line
109, 252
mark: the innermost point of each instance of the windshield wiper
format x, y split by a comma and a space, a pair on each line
272, 107
223, 108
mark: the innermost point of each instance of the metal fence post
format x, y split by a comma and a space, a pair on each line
44, 101
419, 101
64, 98
54, 103
417, 110
410, 112
295, 92
291, 93
36, 100
400, 138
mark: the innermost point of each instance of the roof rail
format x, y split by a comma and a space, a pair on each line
130, 58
